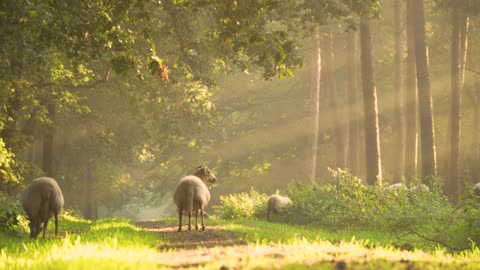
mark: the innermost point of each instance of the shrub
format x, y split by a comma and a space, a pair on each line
344, 202
339, 202
12, 220
243, 205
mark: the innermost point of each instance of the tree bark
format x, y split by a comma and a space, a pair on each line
337, 118
475, 145
48, 154
316, 70
458, 58
411, 137
372, 133
353, 107
89, 206
427, 134
89, 209
399, 141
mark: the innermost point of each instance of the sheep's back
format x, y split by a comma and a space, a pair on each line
191, 191
276, 202
38, 192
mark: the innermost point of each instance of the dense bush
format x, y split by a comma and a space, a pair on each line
243, 205
12, 219
344, 202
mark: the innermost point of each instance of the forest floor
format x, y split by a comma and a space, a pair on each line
226, 244
188, 249
221, 247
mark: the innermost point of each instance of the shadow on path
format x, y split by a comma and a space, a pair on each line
213, 236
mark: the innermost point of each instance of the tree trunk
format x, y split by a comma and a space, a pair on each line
411, 137
399, 141
334, 108
458, 58
316, 69
48, 154
353, 107
89, 210
476, 133
427, 135
372, 133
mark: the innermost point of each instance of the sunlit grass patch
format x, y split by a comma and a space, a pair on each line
317, 255
264, 232
71, 253
106, 244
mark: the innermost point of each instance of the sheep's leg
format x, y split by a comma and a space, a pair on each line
56, 224
180, 214
268, 214
203, 224
45, 228
38, 228
33, 228
196, 220
190, 220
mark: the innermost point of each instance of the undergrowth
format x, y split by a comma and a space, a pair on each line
344, 202
105, 244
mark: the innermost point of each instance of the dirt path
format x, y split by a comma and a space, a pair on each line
214, 236
219, 245
220, 248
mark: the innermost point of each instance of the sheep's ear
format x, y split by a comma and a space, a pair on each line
201, 168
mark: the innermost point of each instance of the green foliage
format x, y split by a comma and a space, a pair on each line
344, 202
252, 205
11, 219
105, 244
7, 164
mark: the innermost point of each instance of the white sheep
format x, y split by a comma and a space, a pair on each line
42, 199
276, 203
192, 194
420, 187
397, 186
476, 189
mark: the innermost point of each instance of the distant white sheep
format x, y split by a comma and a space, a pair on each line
415, 188
476, 189
276, 203
192, 194
42, 199
397, 186
420, 187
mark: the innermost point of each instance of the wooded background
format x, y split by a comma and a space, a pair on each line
119, 99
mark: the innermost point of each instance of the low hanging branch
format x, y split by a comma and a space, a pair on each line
411, 231
106, 77
472, 70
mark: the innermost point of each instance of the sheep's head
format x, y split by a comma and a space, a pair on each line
204, 173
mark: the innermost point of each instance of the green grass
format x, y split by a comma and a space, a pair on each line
118, 244
106, 244
263, 232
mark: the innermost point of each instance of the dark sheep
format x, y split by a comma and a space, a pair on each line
42, 199
192, 194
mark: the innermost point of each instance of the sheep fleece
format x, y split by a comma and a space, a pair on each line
277, 202
191, 194
42, 199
